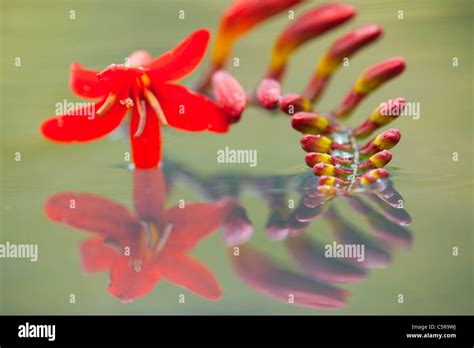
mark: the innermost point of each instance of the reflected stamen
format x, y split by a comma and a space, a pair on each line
164, 237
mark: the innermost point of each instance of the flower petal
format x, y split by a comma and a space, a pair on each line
81, 126
181, 60
84, 82
92, 213
149, 194
190, 111
194, 222
147, 146
185, 271
129, 281
96, 256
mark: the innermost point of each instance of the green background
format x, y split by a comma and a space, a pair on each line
437, 190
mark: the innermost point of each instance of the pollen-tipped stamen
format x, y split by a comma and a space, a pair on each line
142, 120
108, 103
155, 105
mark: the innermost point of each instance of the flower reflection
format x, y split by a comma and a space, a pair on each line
314, 284
139, 249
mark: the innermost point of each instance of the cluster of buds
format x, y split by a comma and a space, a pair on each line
316, 280
333, 150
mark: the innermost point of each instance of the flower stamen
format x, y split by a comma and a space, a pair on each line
109, 102
155, 105
142, 121
128, 103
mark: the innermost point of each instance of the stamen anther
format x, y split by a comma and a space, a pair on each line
109, 102
142, 121
155, 105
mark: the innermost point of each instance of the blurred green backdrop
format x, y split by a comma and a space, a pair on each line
437, 190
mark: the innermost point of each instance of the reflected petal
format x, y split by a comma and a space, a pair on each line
189, 273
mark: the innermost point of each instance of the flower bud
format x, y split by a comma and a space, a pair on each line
383, 114
308, 26
371, 79
229, 95
241, 17
343, 48
293, 103
383, 141
330, 170
269, 93
316, 143
379, 160
313, 158
309, 123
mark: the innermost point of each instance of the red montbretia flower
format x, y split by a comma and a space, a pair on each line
140, 248
147, 87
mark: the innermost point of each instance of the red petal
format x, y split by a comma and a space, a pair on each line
189, 273
149, 193
146, 147
92, 213
80, 126
84, 82
194, 222
96, 256
181, 60
190, 111
128, 283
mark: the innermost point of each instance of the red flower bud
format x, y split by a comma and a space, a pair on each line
229, 95
313, 158
309, 123
239, 19
383, 141
316, 143
382, 115
293, 103
330, 170
370, 80
344, 47
379, 160
269, 93
308, 26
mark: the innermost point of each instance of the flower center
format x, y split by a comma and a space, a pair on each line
152, 240
138, 82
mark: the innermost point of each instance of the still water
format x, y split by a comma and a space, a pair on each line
202, 237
